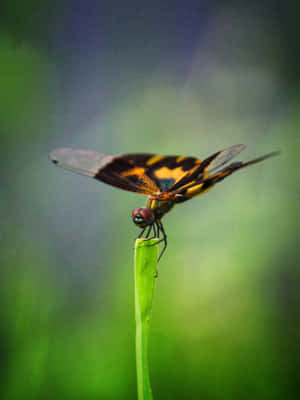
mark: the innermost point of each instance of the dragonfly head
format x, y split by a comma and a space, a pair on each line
143, 217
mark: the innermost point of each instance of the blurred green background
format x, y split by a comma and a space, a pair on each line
170, 78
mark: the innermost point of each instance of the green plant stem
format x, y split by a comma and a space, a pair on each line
145, 277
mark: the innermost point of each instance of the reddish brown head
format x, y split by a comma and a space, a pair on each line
143, 217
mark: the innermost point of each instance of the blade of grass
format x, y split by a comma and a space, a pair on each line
145, 277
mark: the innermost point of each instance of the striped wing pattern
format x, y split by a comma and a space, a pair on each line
142, 173
166, 177
203, 184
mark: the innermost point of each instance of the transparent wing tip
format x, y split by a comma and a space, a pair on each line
85, 162
58, 155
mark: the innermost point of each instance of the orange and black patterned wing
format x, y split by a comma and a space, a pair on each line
121, 172
206, 181
154, 172
165, 171
142, 173
157, 174
205, 167
183, 177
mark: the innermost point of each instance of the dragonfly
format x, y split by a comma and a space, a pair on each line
166, 180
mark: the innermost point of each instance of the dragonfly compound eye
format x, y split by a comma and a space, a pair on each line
143, 217
138, 219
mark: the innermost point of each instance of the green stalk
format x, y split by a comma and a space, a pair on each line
145, 276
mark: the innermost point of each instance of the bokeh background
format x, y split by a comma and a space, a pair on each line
167, 77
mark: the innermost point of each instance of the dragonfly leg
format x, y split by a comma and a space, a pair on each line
141, 233
148, 231
154, 232
164, 239
157, 229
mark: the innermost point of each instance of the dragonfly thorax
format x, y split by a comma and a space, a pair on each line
143, 217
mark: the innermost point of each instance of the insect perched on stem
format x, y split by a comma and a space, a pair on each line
166, 180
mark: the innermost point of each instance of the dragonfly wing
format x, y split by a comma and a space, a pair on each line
201, 185
224, 156
201, 169
116, 171
84, 162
